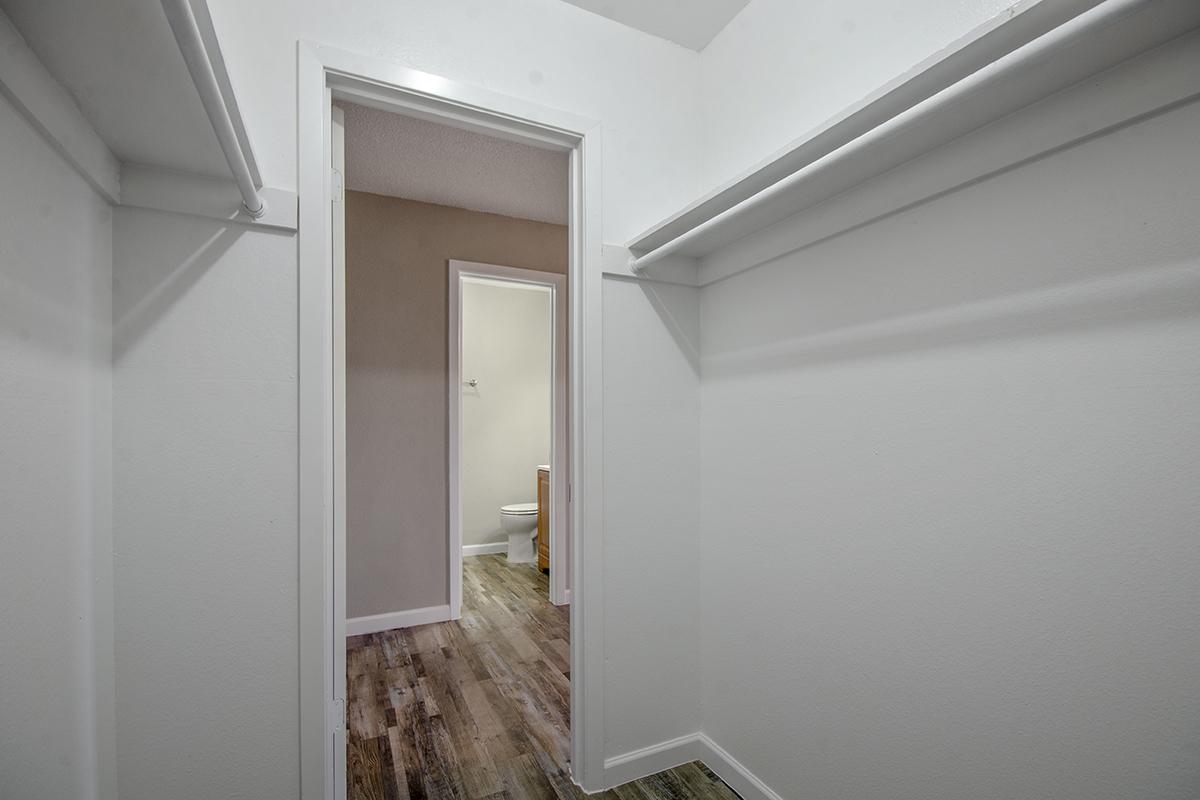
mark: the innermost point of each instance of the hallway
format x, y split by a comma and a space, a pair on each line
479, 708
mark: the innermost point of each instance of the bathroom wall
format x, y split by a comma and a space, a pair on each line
56, 553
396, 391
507, 347
949, 465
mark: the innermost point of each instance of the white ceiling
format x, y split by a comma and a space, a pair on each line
691, 23
120, 61
411, 158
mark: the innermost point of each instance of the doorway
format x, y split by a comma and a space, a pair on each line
424, 476
500, 317
326, 73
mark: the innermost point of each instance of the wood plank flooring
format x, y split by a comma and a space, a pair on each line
479, 708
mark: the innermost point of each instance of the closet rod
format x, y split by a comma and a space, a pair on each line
191, 44
928, 91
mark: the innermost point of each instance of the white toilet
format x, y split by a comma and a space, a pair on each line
519, 521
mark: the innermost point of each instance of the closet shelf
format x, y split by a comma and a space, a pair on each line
1037, 50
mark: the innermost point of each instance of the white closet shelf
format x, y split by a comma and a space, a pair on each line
972, 88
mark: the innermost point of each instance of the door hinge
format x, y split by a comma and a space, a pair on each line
337, 185
339, 714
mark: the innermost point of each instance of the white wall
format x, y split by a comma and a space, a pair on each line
643, 89
56, 724
232, 309
205, 499
507, 341
838, 717
949, 470
652, 484
780, 68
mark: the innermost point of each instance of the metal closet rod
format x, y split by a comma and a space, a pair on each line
191, 44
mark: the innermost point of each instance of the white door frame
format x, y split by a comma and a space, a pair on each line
557, 284
322, 72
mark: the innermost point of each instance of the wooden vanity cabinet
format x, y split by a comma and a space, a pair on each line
543, 521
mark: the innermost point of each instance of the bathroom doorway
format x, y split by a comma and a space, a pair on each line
508, 422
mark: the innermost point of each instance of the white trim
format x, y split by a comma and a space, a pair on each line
587, 464
653, 759
675, 269
49, 108
202, 196
318, 713
484, 549
560, 465
682, 750
337, 231
559, 519
358, 626
748, 785
397, 88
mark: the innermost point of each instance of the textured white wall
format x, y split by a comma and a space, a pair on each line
652, 485
507, 342
56, 669
949, 470
780, 68
234, 311
643, 89
205, 498
206, 414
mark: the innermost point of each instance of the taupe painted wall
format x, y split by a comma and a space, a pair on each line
396, 385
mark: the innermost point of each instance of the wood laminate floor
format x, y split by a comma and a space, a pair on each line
479, 708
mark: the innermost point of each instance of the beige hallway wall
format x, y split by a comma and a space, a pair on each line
396, 385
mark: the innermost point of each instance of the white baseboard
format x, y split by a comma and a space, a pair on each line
396, 619
733, 772
675, 752
484, 549
649, 760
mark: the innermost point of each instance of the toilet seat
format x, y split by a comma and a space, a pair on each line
519, 509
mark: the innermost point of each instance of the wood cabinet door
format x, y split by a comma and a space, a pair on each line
543, 529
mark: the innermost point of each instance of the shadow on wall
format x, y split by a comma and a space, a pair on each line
145, 289
1016, 255
676, 307
34, 308
1138, 297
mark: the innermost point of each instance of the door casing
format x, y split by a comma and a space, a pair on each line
322, 74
